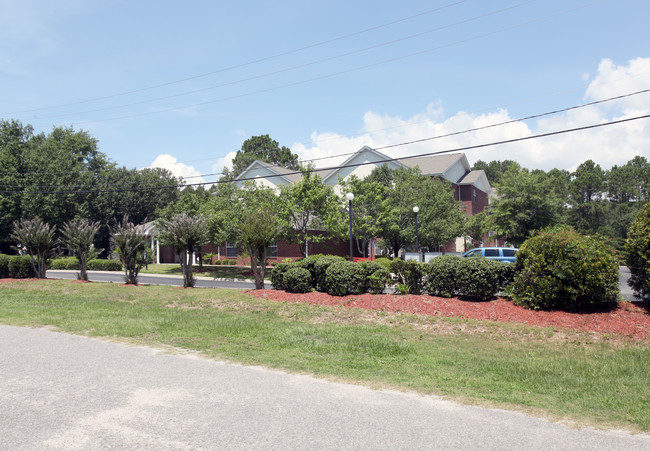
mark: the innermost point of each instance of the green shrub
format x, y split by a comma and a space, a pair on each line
4, 266
100, 264
384, 261
561, 269
506, 273
229, 262
377, 280
277, 275
478, 278
21, 267
297, 280
410, 274
638, 254
320, 271
442, 275
64, 263
344, 278
368, 268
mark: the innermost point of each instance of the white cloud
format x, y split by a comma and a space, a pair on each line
609, 145
224, 162
178, 169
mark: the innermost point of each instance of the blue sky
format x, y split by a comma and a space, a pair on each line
183, 84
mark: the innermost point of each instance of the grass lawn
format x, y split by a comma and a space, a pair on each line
216, 271
575, 376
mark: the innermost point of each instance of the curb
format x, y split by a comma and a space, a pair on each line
172, 276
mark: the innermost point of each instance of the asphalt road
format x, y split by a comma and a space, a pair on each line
155, 279
62, 391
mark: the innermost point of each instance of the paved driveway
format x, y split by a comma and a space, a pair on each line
61, 391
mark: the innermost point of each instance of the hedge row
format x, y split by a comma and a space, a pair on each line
22, 265
445, 276
16, 267
331, 274
96, 264
450, 275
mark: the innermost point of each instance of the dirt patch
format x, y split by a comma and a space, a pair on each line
631, 319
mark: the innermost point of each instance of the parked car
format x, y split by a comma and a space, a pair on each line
502, 254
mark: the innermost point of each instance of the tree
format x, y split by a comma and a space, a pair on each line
369, 209
476, 226
129, 242
259, 224
638, 254
14, 142
185, 234
494, 169
78, 235
261, 148
307, 205
440, 219
61, 175
524, 202
37, 238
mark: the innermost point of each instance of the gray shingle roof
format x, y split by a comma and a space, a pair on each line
432, 165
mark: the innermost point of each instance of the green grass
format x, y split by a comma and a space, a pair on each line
570, 375
216, 271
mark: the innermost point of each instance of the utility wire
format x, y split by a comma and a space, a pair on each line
334, 74
288, 69
535, 116
249, 63
331, 168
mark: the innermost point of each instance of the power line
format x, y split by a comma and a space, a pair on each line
458, 149
409, 124
534, 116
291, 68
238, 66
334, 74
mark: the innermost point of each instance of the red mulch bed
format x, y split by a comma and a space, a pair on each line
629, 318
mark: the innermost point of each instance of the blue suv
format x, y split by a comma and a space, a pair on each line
502, 254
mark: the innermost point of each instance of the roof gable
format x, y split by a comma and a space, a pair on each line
268, 175
361, 164
452, 167
479, 179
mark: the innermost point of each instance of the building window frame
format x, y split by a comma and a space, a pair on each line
272, 250
231, 250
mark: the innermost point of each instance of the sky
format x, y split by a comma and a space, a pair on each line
181, 85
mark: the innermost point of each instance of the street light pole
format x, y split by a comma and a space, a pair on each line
349, 197
416, 209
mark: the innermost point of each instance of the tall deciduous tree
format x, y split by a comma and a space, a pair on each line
308, 205
477, 225
185, 234
258, 225
494, 169
440, 218
525, 202
369, 209
261, 148
78, 235
37, 237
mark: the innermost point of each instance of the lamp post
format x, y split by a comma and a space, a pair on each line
349, 197
416, 209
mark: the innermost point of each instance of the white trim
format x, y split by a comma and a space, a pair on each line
364, 149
